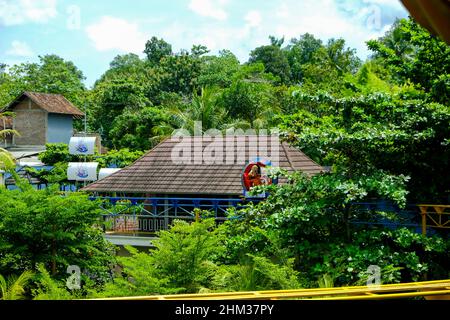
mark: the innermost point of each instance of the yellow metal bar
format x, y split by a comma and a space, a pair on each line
392, 296
389, 291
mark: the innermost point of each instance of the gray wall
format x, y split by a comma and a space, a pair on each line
31, 122
60, 128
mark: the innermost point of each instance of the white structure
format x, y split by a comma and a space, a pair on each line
82, 171
82, 145
107, 172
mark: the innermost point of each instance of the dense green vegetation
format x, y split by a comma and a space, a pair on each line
382, 125
43, 227
389, 112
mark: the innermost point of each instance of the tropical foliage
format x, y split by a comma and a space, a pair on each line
40, 226
381, 127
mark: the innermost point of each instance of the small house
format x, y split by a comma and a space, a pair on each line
42, 118
201, 173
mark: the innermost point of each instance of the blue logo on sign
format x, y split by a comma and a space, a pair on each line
82, 148
82, 173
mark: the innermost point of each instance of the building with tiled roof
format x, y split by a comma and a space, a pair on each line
42, 118
197, 167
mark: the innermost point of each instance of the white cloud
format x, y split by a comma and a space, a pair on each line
115, 33
253, 19
209, 8
15, 12
329, 19
245, 29
20, 49
282, 11
386, 3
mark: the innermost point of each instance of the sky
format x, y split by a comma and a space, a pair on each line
92, 32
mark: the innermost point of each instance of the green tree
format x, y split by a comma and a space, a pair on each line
8, 88
181, 262
252, 102
204, 107
410, 52
118, 158
51, 74
343, 59
378, 131
156, 49
128, 62
137, 129
300, 52
41, 226
274, 60
7, 161
218, 70
309, 218
4, 133
179, 73
48, 288
113, 97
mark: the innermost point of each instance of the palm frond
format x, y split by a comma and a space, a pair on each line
8, 132
14, 287
5, 114
3, 287
17, 286
7, 161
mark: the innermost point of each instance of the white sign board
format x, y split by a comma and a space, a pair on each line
82, 171
107, 172
82, 145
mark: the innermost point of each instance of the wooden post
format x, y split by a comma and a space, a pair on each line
197, 212
423, 212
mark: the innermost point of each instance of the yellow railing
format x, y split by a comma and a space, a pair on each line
434, 215
439, 289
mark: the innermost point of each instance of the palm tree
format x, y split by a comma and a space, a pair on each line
203, 108
13, 288
7, 162
7, 132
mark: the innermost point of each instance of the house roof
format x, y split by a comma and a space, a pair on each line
156, 173
52, 103
27, 155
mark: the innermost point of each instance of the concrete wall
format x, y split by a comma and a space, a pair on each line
31, 122
60, 128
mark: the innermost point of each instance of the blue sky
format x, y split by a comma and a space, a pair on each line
92, 32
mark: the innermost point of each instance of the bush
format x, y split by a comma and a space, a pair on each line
187, 259
256, 273
310, 220
138, 277
54, 153
41, 226
118, 158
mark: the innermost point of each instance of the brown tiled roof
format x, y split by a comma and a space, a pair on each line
156, 173
52, 103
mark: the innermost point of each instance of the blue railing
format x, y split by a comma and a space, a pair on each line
408, 217
140, 214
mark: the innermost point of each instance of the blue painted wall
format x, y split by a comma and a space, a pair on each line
60, 128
